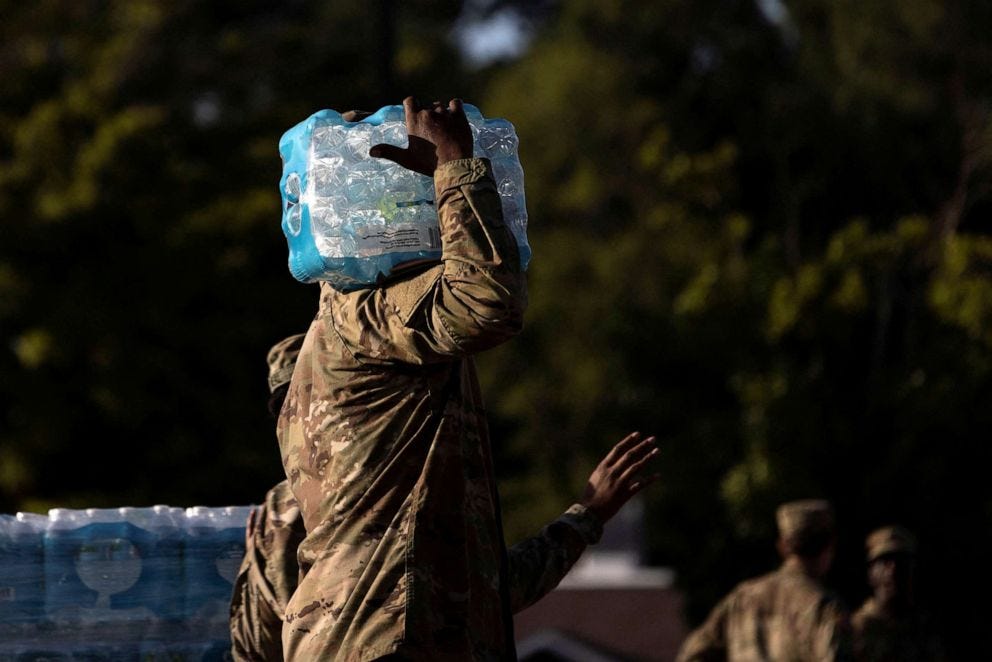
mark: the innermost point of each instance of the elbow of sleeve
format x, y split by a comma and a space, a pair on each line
506, 317
494, 326
482, 316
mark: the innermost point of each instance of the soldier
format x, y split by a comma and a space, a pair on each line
787, 614
269, 572
889, 625
385, 444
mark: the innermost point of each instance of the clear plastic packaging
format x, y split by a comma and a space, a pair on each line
119, 583
22, 573
215, 546
350, 219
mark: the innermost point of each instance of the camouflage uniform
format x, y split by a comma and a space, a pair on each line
269, 572
267, 577
783, 616
384, 440
281, 360
880, 635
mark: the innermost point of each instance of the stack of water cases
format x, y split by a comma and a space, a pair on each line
215, 545
22, 578
115, 584
351, 219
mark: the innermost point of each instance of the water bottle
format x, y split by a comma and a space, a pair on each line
351, 219
22, 587
159, 588
94, 558
214, 549
65, 593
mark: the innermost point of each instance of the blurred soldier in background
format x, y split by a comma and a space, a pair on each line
889, 625
270, 572
787, 614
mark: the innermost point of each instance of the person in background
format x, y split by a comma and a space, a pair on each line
786, 614
890, 625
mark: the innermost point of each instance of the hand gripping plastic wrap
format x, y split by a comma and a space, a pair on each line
351, 219
119, 583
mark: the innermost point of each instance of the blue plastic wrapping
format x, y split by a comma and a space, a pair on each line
119, 584
215, 545
350, 219
22, 588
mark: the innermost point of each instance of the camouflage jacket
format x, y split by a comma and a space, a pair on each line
269, 572
879, 636
384, 440
784, 616
267, 578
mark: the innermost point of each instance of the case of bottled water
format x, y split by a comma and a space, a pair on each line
119, 583
115, 571
22, 587
215, 546
350, 219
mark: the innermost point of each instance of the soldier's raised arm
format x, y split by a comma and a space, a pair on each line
537, 564
476, 297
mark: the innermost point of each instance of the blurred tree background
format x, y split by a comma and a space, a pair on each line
761, 231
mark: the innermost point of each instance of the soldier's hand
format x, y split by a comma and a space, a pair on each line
355, 115
437, 134
619, 476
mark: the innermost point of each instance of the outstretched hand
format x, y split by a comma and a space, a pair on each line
619, 476
437, 134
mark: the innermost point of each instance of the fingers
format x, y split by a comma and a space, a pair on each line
646, 446
633, 468
622, 447
412, 105
355, 115
389, 152
631, 451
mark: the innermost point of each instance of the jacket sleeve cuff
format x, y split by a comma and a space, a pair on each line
585, 523
461, 172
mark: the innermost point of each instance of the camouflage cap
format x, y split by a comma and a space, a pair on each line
804, 519
889, 540
282, 359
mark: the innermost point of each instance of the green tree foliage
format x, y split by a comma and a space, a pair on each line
761, 234
142, 269
764, 237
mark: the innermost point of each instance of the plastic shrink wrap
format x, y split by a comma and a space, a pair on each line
351, 219
119, 583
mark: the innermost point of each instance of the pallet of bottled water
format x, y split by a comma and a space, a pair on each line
119, 584
351, 219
